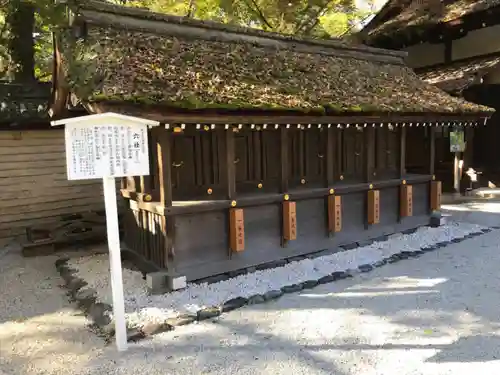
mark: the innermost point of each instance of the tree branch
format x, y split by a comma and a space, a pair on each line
258, 12
319, 13
191, 9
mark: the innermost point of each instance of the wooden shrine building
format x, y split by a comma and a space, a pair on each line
454, 45
270, 146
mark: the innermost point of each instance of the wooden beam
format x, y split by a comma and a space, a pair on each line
284, 158
230, 175
330, 157
402, 152
432, 150
259, 117
164, 157
369, 137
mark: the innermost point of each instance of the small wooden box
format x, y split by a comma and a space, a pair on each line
289, 221
406, 200
334, 213
373, 207
236, 229
435, 195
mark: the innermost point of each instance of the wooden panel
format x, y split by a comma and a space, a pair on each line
373, 206
236, 229
435, 195
406, 201
207, 253
334, 213
352, 154
33, 181
307, 150
289, 221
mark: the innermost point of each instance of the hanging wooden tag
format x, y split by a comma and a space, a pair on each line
289, 221
236, 229
435, 195
334, 213
406, 200
373, 207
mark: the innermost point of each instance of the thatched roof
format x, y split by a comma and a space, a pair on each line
137, 56
24, 102
399, 16
456, 77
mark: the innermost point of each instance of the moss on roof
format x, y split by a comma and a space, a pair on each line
120, 63
24, 102
399, 16
455, 77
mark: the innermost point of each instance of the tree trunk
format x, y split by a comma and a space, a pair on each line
21, 19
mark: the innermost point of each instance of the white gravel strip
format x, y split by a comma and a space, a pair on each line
142, 308
40, 331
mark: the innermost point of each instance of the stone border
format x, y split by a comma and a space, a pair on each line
99, 313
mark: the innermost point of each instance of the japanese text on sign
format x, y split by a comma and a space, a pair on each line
106, 151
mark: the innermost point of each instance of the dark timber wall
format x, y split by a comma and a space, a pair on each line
179, 218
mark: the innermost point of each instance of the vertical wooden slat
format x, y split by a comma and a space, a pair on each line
402, 152
435, 195
257, 147
373, 207
432, 150
284, 178
406, 200
289, 221
164, 157
236, 229
163, 241
330, 157
334, 213
284, 159
214, 148
230, 175
369, 138
339, 170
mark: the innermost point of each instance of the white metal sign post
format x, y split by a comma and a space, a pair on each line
107, 146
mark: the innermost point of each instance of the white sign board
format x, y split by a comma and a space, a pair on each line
106, 146
106, 150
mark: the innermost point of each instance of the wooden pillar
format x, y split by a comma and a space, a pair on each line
147, 182
286, 209
435, 195
402, 152
370, 153
164, 172
230, 175
330, 157
432, 150
284, 159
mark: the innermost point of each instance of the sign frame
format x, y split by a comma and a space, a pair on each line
108, 120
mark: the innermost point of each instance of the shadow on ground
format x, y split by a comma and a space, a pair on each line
427, 315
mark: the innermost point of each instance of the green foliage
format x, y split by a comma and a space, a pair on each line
318, 18
315, 18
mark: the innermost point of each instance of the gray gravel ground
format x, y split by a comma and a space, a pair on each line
438, 314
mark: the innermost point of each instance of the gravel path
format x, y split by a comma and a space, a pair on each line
40, 332
438, 314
